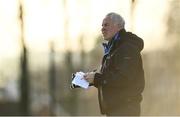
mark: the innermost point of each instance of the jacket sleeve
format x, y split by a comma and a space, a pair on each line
123, 70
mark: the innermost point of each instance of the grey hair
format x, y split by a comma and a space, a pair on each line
117, 19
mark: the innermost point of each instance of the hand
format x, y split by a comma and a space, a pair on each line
89, 76
72, 86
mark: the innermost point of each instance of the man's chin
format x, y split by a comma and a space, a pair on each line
107, 39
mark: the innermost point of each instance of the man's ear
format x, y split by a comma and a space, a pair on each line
118, 27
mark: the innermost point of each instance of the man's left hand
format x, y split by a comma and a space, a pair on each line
89, 76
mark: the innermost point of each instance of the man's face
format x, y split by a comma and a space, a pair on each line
109, 29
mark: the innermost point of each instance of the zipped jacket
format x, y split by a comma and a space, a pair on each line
122, 76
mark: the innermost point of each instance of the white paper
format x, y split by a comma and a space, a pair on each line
80, 81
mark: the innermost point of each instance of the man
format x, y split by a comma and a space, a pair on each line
120, 81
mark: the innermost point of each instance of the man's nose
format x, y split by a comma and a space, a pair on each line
102, 29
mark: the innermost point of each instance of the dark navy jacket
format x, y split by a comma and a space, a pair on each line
122, 77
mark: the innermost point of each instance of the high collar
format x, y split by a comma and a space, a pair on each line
120, 33
113, 43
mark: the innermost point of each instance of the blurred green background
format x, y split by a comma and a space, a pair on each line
42, 42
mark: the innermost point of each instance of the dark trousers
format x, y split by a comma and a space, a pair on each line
127, 109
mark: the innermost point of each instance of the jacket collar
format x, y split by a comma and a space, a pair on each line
114, 42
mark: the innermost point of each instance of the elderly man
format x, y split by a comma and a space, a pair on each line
120, 81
